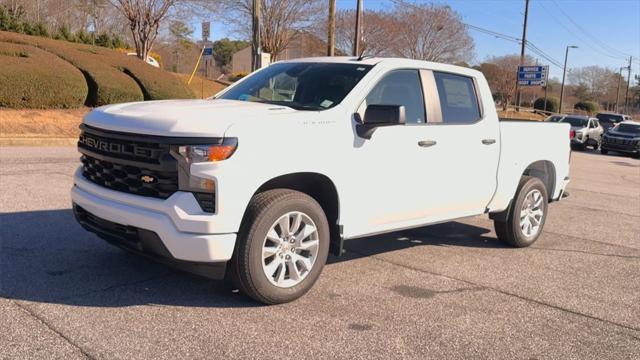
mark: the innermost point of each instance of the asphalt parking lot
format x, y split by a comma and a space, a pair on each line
444, 291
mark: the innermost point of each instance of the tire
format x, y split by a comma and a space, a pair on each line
510, 231
603, 151
249, 268
596, 146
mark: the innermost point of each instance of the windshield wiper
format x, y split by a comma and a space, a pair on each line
292, 105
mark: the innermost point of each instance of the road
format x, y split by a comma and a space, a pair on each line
444, 291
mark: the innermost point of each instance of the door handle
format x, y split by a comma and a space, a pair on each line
426, 143
488, 141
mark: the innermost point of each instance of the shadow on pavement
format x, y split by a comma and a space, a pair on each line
45, 256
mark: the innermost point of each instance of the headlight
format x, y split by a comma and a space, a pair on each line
208, 152
201, 153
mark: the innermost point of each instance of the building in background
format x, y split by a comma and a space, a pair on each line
302, 45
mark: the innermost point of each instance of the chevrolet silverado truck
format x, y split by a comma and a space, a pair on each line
259, 183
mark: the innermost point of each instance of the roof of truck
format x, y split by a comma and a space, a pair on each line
393, 62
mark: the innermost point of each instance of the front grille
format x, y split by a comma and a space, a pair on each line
122, 148
130, 179
138, 164
620, 141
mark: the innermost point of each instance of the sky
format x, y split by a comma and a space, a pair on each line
606, 31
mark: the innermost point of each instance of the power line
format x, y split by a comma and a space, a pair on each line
529, 44
595, 39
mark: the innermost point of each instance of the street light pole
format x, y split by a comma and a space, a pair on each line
564, 74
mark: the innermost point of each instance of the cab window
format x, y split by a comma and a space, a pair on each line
400, 87
458, 100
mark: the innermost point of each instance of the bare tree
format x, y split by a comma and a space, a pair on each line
430, 32
281, 20
144, 17
595, 83
501, 72
378, 32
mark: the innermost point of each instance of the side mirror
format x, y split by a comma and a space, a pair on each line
376, 116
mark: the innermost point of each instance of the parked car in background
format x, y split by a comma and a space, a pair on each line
555, 117
588, 131
624, 138
608, 119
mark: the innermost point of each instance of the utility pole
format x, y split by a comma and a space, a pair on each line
618, 89
356, 40
626, 94
524, 43
331, 36
255, 36
564, 74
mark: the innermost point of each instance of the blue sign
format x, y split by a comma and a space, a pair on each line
533, 68
532, 82
531, 76
208, 51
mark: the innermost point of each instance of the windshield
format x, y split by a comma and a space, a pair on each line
579, 122
554, 118
609, 118
302, 86
628, 128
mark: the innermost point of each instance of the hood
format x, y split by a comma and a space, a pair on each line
626, 135
201, 118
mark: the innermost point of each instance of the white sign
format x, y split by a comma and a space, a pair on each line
206, 30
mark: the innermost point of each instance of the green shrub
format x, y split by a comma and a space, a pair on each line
156, 84
588, 106
552, 104
107, 84
112, 76
27, 80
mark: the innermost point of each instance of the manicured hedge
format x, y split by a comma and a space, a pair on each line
27, 79
112, 76
156, 84
107, 84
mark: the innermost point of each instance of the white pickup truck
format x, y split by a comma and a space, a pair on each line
266, 178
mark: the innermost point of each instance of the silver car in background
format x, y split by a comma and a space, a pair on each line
588, 131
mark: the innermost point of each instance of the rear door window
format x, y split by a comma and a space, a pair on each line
458, 100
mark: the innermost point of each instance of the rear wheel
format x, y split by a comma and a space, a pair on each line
282, 246
603, 151
527, 214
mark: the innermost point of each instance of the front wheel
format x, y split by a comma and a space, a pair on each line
603, 151
527, 214
282, 246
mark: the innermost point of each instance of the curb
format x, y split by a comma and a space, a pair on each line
37, 141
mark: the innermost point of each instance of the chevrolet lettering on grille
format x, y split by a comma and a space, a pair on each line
114, 147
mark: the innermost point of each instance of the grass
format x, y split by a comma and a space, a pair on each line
202, 88
28, 81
